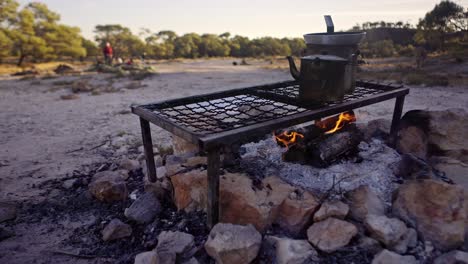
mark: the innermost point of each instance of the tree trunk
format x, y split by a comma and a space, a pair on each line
21, 59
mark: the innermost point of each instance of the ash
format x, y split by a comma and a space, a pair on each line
374, 169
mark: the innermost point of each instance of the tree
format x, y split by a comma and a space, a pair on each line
90, 47
27, 43
446, 16
186, 46
7, 12
123, 42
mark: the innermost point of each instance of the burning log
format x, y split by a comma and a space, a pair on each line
321, 144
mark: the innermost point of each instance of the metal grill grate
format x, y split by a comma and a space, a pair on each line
207, 115
227, 113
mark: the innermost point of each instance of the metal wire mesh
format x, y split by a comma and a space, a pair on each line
213, 115
227, 113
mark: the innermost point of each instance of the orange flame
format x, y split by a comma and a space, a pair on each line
343, 119
288, 138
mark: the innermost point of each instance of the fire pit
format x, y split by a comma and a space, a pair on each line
218, 120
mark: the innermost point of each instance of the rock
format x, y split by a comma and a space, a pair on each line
240, 202
409, 240
116, 229
174, 246
447, 132
64, 68
149, 257
452, 257
196, 161
129, 164
191, 261
69, 97
378, 128
290, 251
335, 209
7, 211
162, 189
331, 234
4, 233
389, 231
190, 190
412, 167
182, 146
68, 184
435, 209
144, 209
243, 204
108, 186
233, 244
174, 169
362, 202
412, 140
296, 210
369, 244
389, 257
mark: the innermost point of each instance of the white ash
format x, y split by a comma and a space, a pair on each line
375, 169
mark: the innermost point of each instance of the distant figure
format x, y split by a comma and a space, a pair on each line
108, 52
130, 61
421, 54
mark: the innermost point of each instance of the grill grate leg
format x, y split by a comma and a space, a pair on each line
396, 117
148, 145
213, 186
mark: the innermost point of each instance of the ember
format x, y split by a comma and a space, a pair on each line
288, 138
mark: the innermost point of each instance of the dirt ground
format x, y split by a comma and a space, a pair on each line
44, 139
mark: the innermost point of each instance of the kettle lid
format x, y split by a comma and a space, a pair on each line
324, 58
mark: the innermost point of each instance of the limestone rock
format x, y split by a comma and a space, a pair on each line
182, 146
149, 257
295, 212
174, 246
108, 186
162, 189
453, 257
435, 209
412, 140
190, 190
196, 161
335, 209
369, 244
447, 132
70, 183
389, 257
378, 128
409, 240
242, 204
129, 164
233, 244
389, 231
331, 234
7, 211
144, 209
291, 251
362, 202
116, 229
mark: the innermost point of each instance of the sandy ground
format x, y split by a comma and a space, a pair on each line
43, 137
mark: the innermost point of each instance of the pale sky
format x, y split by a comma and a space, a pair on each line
252, 18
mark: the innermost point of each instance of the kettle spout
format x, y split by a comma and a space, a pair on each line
292, 68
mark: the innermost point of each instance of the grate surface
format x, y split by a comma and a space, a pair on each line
205, 115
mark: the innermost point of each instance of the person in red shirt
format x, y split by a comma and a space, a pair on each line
108, 52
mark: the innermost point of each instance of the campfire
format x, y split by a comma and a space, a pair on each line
323, 143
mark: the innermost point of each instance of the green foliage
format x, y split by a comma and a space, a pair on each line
90, 47
383, 48
123, 42
446, 16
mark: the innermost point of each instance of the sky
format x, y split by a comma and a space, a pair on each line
251, 18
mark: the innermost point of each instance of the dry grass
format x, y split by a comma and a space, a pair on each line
43, 67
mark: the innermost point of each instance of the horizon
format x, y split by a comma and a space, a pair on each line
296, 18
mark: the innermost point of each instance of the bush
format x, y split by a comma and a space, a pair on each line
407, 51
